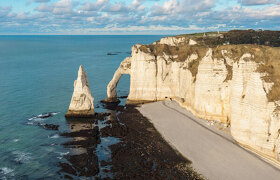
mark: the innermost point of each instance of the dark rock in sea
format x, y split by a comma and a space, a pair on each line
53, 144
105, 163
110, 54
49, 126
86, 137
115, 130
105, 170
101, 116
110, 105
67, 177
123, 97
82, 133
35, 120
67, 168
85, 164
113, 100
44, 115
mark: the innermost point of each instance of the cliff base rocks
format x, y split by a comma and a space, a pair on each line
139, 151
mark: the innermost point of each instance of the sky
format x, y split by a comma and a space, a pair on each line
86, 17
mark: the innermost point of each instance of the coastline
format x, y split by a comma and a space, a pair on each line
143, 153
137, 150
214, 153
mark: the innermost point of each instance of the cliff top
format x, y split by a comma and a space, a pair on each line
264, 46
260, 37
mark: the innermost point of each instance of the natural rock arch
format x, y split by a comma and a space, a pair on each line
124, 68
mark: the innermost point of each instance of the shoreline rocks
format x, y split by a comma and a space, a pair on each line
81, 104
111, 54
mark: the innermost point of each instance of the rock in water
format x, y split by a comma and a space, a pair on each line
82, 101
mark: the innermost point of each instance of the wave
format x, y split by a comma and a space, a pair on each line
15, 140
55, 136
62, 154
54, 113
43, 116
22, 157
6, 173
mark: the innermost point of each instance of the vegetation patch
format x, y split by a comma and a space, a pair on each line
271, 67
260, 37
193, 68
229, 72
178, 53
267, 58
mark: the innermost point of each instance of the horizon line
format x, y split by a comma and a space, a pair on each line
128, 34
86, 34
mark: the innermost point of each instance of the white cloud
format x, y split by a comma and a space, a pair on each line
185, 6
44, 8
90, 19
117, 7
59, 7
138, 16
115, 28
37, 1
217, 27
260, 13
94, 6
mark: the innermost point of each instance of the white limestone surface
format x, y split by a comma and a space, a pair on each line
81, 104
221, 87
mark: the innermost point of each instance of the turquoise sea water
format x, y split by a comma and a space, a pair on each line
36, 76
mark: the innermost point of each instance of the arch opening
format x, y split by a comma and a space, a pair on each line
124, 68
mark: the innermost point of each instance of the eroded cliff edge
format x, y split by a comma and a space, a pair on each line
234, 84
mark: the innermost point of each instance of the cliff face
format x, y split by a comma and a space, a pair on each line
234, 84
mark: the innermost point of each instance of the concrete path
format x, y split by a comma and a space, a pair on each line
213, 153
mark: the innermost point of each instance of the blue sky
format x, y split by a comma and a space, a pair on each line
135, 16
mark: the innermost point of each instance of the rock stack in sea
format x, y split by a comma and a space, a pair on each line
82, 101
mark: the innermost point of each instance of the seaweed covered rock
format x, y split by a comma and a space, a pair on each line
82, 101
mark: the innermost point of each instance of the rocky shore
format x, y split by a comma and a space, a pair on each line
209, 146
140, 151
144, 154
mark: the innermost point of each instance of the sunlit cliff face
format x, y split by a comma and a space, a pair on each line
234, 84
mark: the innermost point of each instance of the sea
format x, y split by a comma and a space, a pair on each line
37, 74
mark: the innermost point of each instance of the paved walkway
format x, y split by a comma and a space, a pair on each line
213, 153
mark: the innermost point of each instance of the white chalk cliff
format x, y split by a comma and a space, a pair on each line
224, 83
82, 101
